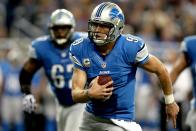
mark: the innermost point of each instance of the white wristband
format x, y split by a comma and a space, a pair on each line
169, 99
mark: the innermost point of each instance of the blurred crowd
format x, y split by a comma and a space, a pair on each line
162, 23
160, 20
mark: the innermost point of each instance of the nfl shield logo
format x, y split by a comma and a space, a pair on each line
103, 65
64, 54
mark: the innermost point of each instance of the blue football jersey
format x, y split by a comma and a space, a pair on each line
10, 75
57, 65
121, 64
189, 48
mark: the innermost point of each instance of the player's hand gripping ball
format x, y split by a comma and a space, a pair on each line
102, 80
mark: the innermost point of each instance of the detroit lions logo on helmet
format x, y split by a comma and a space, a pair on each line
115, 13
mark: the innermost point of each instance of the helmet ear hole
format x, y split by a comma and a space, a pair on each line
120, 28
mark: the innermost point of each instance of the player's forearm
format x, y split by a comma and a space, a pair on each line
166, 85
25, 81
80, 95
177, 69
180, 64
174, 75
154, 65
165, 82
27, 73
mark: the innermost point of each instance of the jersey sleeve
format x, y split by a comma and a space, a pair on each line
183, 47
136, 50
75, 53
142, 54
33, 50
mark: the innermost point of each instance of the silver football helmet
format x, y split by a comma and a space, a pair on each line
106, 14
61, 19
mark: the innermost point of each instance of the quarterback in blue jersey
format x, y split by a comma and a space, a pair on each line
187, 59
52, 53
111, 107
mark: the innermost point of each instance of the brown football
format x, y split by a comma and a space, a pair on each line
103, 79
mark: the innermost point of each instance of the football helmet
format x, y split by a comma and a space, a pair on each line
61, 25
109, 15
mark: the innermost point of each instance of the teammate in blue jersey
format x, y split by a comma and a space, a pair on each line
52, 53
11, 109
187, 59
108, 52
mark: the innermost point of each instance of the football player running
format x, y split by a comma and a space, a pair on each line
108, 52
186, 59
52, 53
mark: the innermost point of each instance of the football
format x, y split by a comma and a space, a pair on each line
103, 79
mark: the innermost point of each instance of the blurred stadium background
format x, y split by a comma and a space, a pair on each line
161, 23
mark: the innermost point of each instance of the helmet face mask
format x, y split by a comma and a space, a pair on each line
61, 26
100, 37
109, 15
60, 33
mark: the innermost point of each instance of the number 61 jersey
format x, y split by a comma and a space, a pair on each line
121, 64
56, 64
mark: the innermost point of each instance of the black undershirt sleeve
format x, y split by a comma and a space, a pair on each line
27, 73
